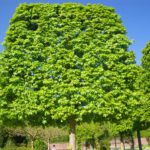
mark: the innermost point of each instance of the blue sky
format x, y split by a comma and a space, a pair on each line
134, 13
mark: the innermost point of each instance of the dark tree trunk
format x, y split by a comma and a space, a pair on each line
139, 137
148, 140
115, 143
93, 144
132, 140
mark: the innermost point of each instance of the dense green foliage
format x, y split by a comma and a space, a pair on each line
65, 62
40, 145
95, 135
70, 63
145, 83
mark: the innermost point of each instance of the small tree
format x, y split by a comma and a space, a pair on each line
32, 133
47, 134
50, 134
95, 134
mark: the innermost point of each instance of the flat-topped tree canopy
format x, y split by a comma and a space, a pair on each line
64, 62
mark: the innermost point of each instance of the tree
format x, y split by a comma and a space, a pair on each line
65, 62
142, 113
47, 134
131, 119
145, 83
32, 133
95, 135
89, 133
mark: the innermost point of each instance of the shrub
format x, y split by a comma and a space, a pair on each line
39, 145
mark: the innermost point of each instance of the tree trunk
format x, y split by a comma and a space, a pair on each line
115, 143
32, 144
72, 139
93, 144
139, 137
122, 146
132, 140
148, 140
84, 146
91, 147
48, 144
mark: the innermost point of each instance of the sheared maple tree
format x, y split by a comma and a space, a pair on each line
66, 62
